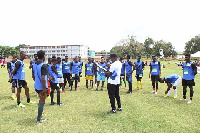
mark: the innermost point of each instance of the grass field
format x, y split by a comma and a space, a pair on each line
86, 110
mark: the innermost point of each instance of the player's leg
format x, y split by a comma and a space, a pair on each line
92, 83
49, 88
65, 79
111, 93
184, 84
175, 92
27, 93
76, 81
18, 96
58, 96
42, 95
124, 81
86, 81
13, 89
98, 82
118, 97
191, 94
138, 82
72, 80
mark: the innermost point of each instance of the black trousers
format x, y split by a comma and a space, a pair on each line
113, 92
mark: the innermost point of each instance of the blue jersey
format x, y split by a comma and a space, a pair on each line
52, 74
89, 68
128, 67
155, 68
188, 72
12, 67
20, 73
171, 78
101, 72
66, 67
75, 67
123, 68
59, 70
37, 69
140, 63
80, 66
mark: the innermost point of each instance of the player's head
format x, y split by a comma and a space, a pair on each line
187, 57
102, 59
161, 80
49, 60
89, 59
22, 55
66, 58
58, 60
14, 59
153, 57
127, 57
92, 59
139, 57
41, 55
121, 59
36, 56
54, 61
113, 57
53, 57
79, 58
76, 59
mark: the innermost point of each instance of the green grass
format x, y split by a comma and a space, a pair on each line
85, 110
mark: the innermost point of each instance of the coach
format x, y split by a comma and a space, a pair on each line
113, 83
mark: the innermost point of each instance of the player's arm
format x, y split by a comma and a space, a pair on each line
17, 66
194, 68
54, 69
8, 68
33, 76
150, 70
131, 64
31, 65
44, 72
159, 67
71, 67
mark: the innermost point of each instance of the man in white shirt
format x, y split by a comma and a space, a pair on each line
113, 83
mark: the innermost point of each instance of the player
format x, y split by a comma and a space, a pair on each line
95, 70
10, 68
89, 72
40, 72
172, 80
66, 71
189, 72
139, 67
122, 76
155, 72
19, 76
60, 74
33, 61
54, 81
80, 71
129, 67
101, 74
75, 69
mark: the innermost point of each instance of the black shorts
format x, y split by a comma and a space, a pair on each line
54, 86
76, 77
14, 83
188, 82
66, 76
80, 74
139, 76
154, 77
20, 83
38, 91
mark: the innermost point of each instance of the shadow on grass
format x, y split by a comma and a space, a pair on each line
2, 97
9, 107
30, 122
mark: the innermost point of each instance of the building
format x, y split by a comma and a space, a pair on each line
102, 53
59, 51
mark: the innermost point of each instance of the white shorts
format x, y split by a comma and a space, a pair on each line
60, 80
177, 82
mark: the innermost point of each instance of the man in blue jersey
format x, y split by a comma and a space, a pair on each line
33, 61
10, 68
40, 72
139, 67
80, 71
129, 70
189, 72
89, 72
95, 71
60, 74
66, 71
19, 76
53, 74
101, 74
172, 80
155, 72
122, 76
74, 69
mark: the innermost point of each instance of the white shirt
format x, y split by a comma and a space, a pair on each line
116, 66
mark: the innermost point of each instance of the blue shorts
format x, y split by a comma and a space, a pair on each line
101, 78
129, 77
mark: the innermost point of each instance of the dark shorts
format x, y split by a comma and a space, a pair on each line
188, 82
154, 77
80, 74
54, 86
20, 83
38, 91
139, 76
75, 77
129, 77
66, 76
14, 83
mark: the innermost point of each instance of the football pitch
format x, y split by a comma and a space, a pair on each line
86, 110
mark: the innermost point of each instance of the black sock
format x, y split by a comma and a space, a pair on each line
156, 85
28, 99
130, 86
191, 94
86, 83
92, 83
40, 110
184, 93
52, 94
58, 97
76, 84
153, 84
18, 102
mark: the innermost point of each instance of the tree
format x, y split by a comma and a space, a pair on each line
148, 43
193, 45
5, 51
20, 46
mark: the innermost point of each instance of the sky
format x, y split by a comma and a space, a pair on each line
100, 24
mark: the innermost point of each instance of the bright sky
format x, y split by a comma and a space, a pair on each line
98, 24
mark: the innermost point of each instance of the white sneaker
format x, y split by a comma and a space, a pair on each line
21, 105
126, 88
182, 99
95, 85
153, 91
156, 93
189, 102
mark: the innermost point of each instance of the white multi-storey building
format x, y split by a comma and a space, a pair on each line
59, 51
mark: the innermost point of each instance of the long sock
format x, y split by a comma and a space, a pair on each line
52, 94
75, 84
191, 94
28, 99
175, 92
138, 82
184, 93
58, 97
153, 84
156, 85
86, 83
71, 84
95, 80
125, 82
92, 83
169, 92
40, 110
18, 102
130, 86
141, 84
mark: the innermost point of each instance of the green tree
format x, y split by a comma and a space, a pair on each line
148, 44
20, 46
193, 45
